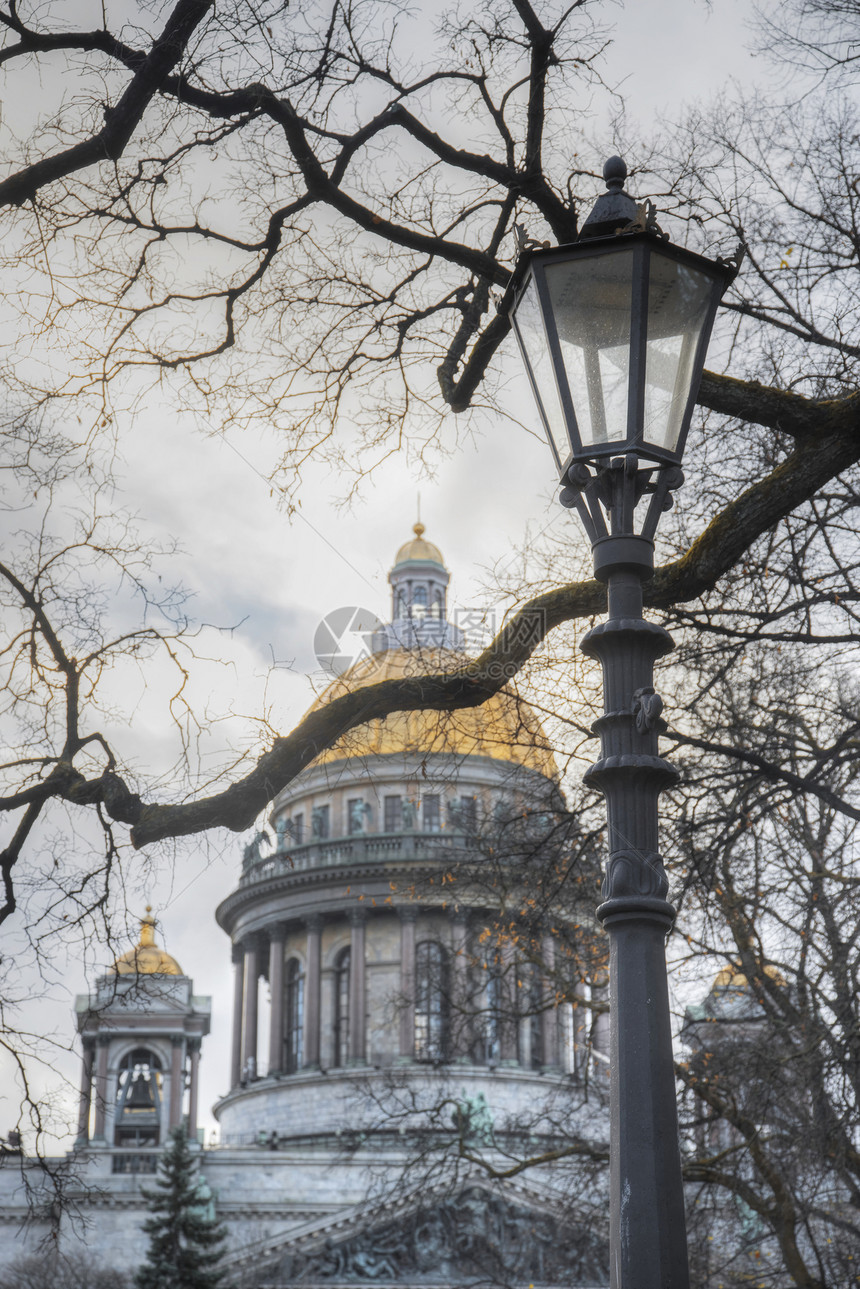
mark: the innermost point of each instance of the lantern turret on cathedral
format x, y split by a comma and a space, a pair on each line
419, 590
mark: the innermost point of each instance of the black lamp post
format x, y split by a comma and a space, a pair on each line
613, 329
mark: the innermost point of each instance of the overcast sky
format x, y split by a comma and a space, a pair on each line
274, 579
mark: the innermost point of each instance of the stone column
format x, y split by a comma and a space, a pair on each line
238, 989
277, 937
600, 1024
549, 1015
508, 1022
579, 1021
357, 989
177, 1082
194, 1050
249, 1011
86, 1092
101, 1087
462, 1028
312, 992
408, 917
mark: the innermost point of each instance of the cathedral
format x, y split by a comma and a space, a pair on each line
398, 1043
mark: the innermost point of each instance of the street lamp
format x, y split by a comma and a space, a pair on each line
613, 330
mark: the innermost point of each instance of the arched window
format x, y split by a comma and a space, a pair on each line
138, 1099
341, 1007
431, 1001
419, 597
295, 1017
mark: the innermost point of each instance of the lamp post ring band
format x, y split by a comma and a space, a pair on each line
614, 912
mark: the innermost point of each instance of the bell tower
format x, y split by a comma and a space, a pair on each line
141, 1032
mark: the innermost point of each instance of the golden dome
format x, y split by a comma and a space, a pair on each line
504, 727
732, 977
146, 959
418, 549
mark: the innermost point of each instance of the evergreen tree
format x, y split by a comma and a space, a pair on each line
185, 1243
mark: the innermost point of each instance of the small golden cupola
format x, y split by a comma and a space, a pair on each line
146, 958
417, 551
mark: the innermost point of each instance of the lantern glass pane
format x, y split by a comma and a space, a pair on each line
591, 299
528, 324
678, 303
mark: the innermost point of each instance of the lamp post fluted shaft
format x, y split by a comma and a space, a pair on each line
647, 1232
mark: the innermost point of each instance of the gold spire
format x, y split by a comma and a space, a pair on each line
147, 929
146, 959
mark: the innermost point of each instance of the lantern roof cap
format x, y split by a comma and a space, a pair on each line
613, 209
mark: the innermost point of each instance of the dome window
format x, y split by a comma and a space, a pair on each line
463, 815
295, 1017
341, 1007
393, 808
431, 1001
430, 812
530, 1034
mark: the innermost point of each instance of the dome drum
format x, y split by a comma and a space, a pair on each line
346, 1102
391, 986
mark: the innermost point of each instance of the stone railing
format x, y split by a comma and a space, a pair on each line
361, 848
136, 1161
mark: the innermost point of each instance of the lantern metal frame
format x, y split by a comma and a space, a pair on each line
645, 242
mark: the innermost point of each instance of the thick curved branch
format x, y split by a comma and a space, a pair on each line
816, 459
777, 409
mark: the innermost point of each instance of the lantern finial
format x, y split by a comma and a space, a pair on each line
614, 172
